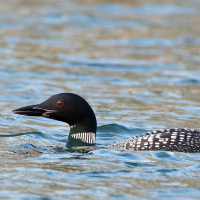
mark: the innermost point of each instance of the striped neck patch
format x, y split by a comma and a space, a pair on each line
85, 137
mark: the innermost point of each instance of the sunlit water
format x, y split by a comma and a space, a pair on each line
136, 62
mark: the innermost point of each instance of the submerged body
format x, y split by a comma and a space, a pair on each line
75, 111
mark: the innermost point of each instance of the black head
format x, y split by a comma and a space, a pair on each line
66, 107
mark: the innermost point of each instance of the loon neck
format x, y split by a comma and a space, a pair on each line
82, 134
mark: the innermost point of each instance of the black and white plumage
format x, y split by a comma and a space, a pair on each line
85, 137
75, 111
178, 139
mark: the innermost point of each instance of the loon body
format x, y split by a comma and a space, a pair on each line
75, 111
178, 139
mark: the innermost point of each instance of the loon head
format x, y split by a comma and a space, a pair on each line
69, 108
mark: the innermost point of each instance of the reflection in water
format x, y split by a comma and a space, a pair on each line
136, 63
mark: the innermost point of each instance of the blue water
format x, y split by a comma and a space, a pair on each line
136, 63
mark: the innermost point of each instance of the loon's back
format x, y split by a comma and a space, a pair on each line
178, 139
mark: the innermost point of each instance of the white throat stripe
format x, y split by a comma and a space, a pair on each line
85, 137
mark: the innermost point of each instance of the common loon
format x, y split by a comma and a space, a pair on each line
74, 110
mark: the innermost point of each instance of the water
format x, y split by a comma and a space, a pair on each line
136, 62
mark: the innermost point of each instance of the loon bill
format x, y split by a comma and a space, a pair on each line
75, 111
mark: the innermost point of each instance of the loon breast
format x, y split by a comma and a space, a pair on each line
178, 139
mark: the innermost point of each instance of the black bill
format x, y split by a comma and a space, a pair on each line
32, 110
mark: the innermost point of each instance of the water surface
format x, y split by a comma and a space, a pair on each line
136, 62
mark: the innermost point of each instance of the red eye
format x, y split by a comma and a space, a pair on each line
60, 104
